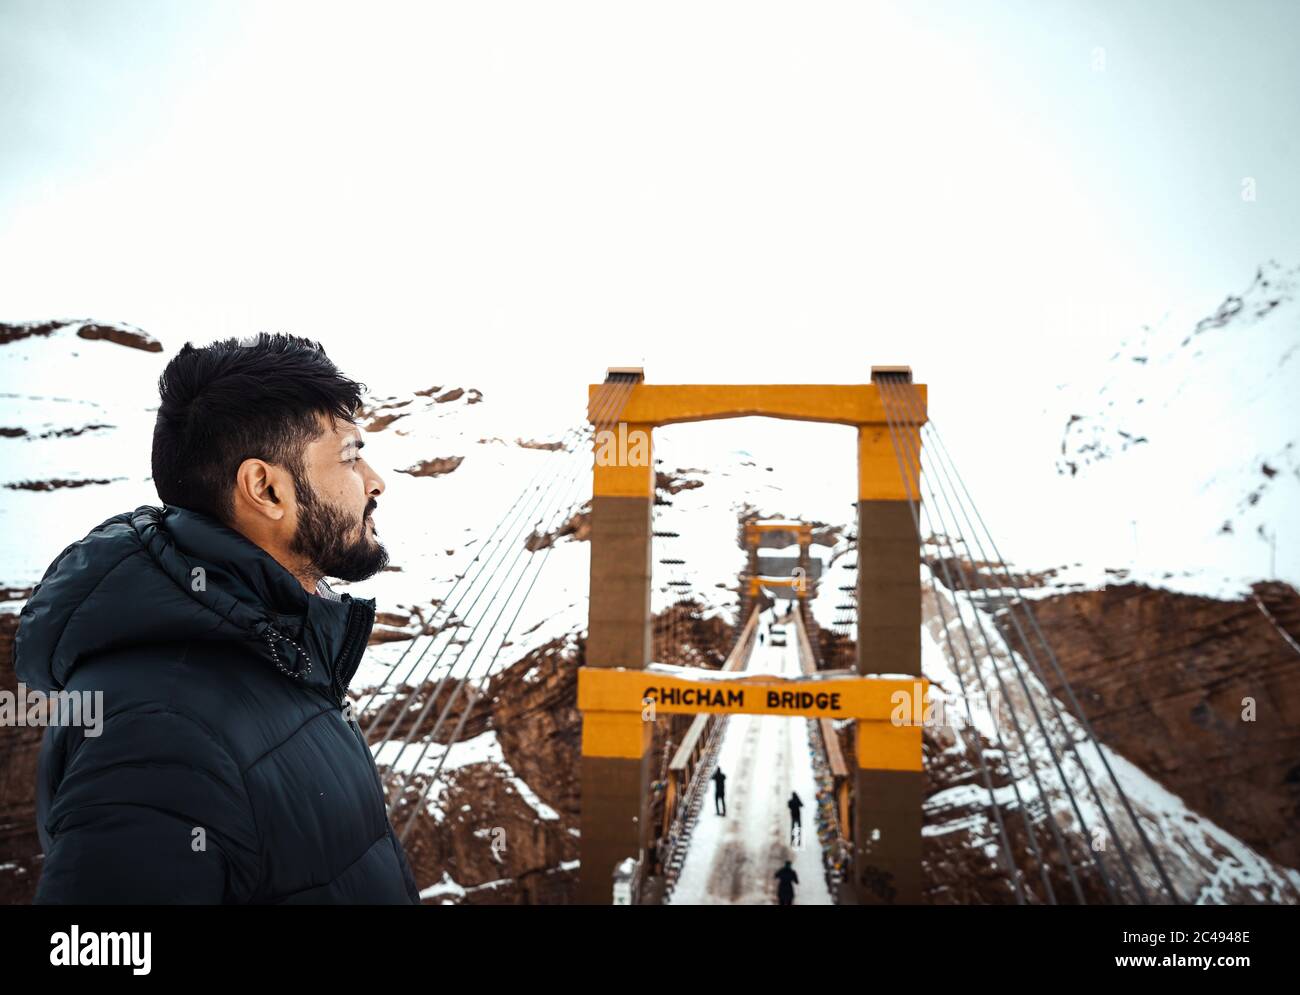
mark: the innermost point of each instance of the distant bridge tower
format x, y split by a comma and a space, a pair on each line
799, 577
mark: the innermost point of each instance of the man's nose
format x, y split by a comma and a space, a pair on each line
375, 485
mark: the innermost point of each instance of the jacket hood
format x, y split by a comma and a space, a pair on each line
167, 574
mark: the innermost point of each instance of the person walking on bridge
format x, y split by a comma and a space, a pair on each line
719, 792
786, 878
795, 805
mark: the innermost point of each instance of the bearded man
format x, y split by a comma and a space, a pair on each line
229, 768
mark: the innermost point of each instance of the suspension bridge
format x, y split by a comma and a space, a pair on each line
779, 717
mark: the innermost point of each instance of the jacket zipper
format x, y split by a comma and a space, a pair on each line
365, 748
359, 620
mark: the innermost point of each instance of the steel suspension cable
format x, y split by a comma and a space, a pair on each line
454, 621
469, 707
1013, 869
609, 399
893, 392
610, 402
911, 402
1065, 684
507, 542
561, 507
433, 698
468, 572
503, 543
1031, 834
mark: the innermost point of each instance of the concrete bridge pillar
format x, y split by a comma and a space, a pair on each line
889, 779
615, 747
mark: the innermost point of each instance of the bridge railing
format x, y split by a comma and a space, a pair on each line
686, 760
682, 790
840, 784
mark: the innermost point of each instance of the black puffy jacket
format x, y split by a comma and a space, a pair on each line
226, 770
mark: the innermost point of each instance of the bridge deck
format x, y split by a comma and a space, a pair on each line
731, 859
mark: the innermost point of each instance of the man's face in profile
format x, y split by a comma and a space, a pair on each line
335, 530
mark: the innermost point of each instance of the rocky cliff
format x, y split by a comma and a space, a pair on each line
20, 850
1200, 693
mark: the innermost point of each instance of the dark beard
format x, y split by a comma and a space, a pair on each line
322, 539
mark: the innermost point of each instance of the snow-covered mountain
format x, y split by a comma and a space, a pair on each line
1191, 428
1185, 445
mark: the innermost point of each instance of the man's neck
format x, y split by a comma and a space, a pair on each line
302, 571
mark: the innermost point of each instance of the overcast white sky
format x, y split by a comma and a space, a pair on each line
991, 192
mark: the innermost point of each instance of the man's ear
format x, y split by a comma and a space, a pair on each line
263, 489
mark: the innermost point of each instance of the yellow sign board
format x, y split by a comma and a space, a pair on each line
900, 701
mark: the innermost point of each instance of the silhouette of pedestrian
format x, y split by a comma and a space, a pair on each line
796, 824
760, 639
719, 792
786, 880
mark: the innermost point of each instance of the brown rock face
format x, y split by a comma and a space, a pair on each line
960, 866
535, 712
577, 526
122, 335
550, 447
12, 333
673, 484
1162, 677
439, 704
434, 467
375, 416
52, 485
380, 422
472, 396
132, 338
20, 848
60, 433
684, 637
1169, 680
491, 842
532, 707
407, 623
961, 848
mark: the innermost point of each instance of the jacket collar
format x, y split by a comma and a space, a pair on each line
163, 574
314, 639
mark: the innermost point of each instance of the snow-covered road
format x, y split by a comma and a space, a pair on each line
731, 859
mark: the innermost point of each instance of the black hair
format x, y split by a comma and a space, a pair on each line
233, 400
